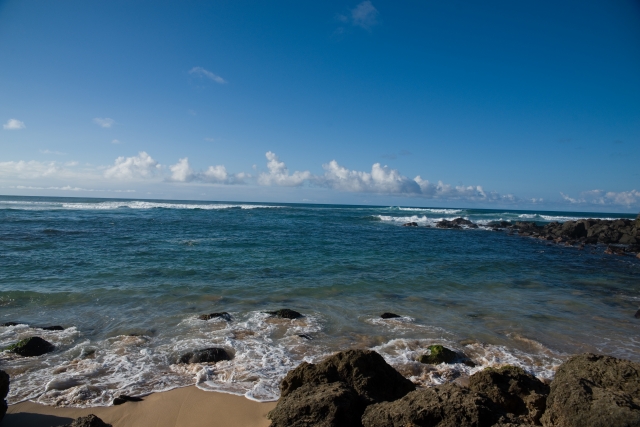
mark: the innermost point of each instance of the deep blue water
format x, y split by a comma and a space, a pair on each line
128, 278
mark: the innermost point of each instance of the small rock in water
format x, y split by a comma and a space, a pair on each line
223, 315
214, 354
124, 398
637, 315
305, 336
51, 328
410, 224
439, 354
29, 347
12, 324
285, 313
88, 421
389, 315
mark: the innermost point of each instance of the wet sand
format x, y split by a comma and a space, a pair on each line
183, 407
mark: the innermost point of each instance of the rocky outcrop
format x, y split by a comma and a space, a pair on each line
438, 354
598, 391
456, 223
4, 390
521, 396
88, 421
51, 328
285, 313
222, 315
410, 224
30, 347
325, 405
364, 371
442, 406
389, 315
206, 355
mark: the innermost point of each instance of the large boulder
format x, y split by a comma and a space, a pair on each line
519, 394
285, 313
438, 354
595, 391
214, 354
441, 406
88, 421
363, 370
4, 390
30, 347
325, 405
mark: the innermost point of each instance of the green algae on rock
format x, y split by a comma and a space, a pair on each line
30, 347
438, 354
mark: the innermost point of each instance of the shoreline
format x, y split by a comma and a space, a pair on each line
180, 407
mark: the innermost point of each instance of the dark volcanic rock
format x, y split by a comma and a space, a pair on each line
521, 395
12, 324
51, 328
389, 315
410, 224
29, 347
455, 223
438, 354
596, 391
223, 315
325, 405
637, 315
123, 398
363, 370
285, 313
442, 406
4, 390
214, 354
88, 421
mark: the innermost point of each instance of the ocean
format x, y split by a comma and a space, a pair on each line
128, 278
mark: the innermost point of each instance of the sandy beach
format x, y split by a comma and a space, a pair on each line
183, 407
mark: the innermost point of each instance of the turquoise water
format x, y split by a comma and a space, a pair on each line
128, 278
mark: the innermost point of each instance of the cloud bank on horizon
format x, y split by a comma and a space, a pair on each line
382, 180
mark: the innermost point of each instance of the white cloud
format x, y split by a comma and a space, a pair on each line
57, 153
208, 74
14, 124
601, 197
115, 141
182, 172
67, 188
365, 15
104, 122
135, 167
279, 174
382, 179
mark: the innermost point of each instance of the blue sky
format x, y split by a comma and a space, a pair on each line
499, 104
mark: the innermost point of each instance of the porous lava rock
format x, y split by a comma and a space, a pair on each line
441, 406
30, 347
4, 390
373, 379
325, 405
214, 354
285, 313
389, 315
456, 223
222, 315
438, 354
596, 391
88, 421
519, 394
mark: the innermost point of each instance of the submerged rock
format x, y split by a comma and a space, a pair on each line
325, 405
214, 354
438, 354
410, 224
4, 390
33, 346
51, 328
520, 395
12, 324
456, 223
592, 390
372, 378
637, 315
285, 313
389, 315
88, 421
441, 406
123, 398
223, 315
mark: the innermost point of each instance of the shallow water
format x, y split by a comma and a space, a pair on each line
128, 278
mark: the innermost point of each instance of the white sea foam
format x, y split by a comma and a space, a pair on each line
558, 218
131, 204
433, 210
421, 220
